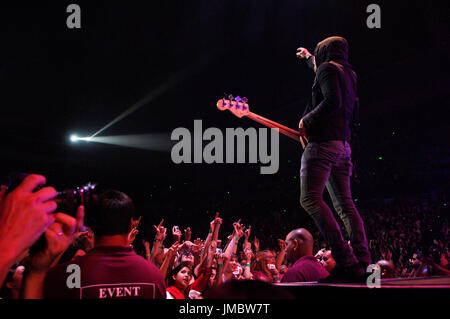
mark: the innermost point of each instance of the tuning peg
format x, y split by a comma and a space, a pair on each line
225, 102
244, 99
238, 99
231, 97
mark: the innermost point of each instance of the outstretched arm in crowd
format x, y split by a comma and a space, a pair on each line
197, 249
205, 273
237, 234
231, 249
132, 235
24, 216
187, 234
176, 234
147, 249
158, 247
248, 256
212, 236
213, 233
134, 230
171, 254
221, 261
169, 260
58, 237
256, 244
274, 272
247, 233
281, 254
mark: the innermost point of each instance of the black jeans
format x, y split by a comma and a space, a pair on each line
329, 164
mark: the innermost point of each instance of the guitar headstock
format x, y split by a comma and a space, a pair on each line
238, 106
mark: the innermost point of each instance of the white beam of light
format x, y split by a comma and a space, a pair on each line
160, 142
170, 83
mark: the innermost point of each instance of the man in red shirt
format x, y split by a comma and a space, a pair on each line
111, 270
299, 252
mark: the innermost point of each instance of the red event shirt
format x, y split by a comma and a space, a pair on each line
109, 272
305, 269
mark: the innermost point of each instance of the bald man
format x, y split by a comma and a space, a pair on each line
299, 252
387, 268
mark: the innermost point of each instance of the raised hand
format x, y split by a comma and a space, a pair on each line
132, 235
88, 239
302, 130
176, 233
272, 269
135, 223
219, 257
256, 244
303, 53
248, 254
197, 247
146, 245
247, 232
281, 244
238, 229
216, 221
247, 245
188, 245
320, 253
160, 232
187, 234
58, 236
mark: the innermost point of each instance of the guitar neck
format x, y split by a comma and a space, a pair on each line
283, 129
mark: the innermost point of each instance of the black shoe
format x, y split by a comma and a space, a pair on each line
351, 274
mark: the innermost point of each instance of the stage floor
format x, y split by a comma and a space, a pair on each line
422, 282
406, 288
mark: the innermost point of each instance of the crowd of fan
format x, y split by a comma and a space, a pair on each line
412, 233
406, 239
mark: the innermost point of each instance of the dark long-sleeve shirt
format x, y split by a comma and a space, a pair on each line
330, 112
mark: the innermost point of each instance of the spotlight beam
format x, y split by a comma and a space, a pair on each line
173, 80
153, 142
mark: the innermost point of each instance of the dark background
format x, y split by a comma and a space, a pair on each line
56, 81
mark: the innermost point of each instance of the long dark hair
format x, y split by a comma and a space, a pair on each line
175, 271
